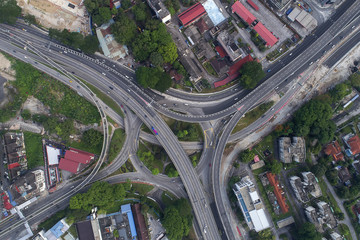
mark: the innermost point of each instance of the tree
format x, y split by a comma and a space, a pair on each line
171, 171
30, 19
169, 52
247, 156
319, 170
90, 44
262, 235
155, 171
253, 71
125, 4
276, 167
164, 82
307, 231
355, 80
332, 176
93, 138
139, 11
156, 59
339, 92
124, 30
9, 11
25, 114
174, 224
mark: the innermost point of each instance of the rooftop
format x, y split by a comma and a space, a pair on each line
344, 174
84, 230
191, 14
298, 188
354, 144
292, 149
68, 165
253, 5
243, 13
279, 193
79, 156
265, 34
334, 150
52, 155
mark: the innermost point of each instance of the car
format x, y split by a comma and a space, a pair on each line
290, 54
103, 74
111, 87
353, 27
156, 133
269, 70
311, 63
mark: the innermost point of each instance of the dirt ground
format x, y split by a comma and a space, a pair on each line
57, 14
35, 106
5, 68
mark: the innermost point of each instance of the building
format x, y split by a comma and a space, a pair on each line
251, 205
230, 45
192, 67
57, 230
354, 144
14, 149
110, 47
298, 189
292, 149
285, 222
311, 184
278, 191
333, 149
250, 19
344, 175
140, 222
321, 216
253, 5
26, 187
75, 160
104, 227
160, 10
220, 66
336, 236
304, 18
356, 165
242, 12
192, 14
257, 165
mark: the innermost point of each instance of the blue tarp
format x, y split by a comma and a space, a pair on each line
56, 229
12, 202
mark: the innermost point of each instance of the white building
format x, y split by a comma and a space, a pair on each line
161, 11
251, 205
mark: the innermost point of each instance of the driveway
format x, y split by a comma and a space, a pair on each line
339, 202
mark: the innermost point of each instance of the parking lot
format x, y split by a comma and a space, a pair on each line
156, 229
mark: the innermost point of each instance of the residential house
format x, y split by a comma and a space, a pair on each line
333, 149
292, 149
160, 10
278, 191
312, 184
344, 175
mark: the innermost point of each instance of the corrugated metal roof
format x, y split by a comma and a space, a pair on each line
192, 14
242, 12
265, 34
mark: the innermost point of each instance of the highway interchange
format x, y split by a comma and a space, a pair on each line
146, 109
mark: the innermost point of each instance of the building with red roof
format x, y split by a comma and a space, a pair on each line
265, 34
79, 156
333, 149
75, 159
192, 14
243, 13
354, 144
253, 5
233, 72
221, 51
279, 193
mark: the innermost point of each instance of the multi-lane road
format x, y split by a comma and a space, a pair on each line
123, 90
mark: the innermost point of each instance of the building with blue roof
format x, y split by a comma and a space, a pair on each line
126, 209
57, 230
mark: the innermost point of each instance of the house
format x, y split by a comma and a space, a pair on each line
285, 222
333, 149
251, 204
192, 14
298, 189
192, 67
30, 185
75, 160
269, 39
336, 236
278, 191
242, 12
257, 165
57, 230
356, 165
312, 184
160, 10
321, 216
110, 47
344, 175
354, 144
104, 227
229, 44
14, 149
220, 66
292, 149
202, 26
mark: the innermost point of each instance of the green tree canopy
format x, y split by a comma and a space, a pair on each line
153, 78
251, 74
156, 59
178, 219
339, 92
355, 80
124, 30
247, 156
276, 166
9, 11
139, 11
319, 170
307, 231
262, 235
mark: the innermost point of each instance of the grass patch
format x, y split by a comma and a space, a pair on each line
106, 99
210, 69
253, 115
167, 198
82, 145
127, 167
34, 151
267, 143
116, 144
110, 120
152, 156
185, 131
144, 128
344, 230
328, 196
218, 89
141, 188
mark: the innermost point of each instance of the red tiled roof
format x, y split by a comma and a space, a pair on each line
202, 26
265, 34
233, 71
251, 3
242, 12
278, 192
256, 158
13, 165
140, 224
78, 156
221, 51
354, 144
334, 150
192, 14
68, 165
